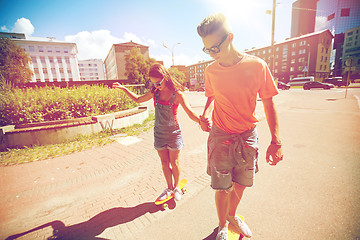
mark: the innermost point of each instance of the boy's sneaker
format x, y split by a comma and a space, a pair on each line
167, 192
222, 233
177, 194
240, 225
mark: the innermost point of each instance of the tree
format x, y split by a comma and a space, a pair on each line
137, 67
178, 75
14, 64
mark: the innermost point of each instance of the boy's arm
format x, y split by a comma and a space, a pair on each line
205, 117
274, 151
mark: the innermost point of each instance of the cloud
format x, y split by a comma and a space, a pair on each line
23, 25
4, 28
321, 23
181, 59
96, 44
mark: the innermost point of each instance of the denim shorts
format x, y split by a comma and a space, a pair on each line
169, 138
232, 158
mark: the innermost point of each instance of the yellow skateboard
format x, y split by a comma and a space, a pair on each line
232, 234
182, 183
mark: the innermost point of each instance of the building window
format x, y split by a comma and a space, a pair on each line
345, 12
51, 59
320, 67
41, 48
49, 49
293, 60
332, 16
42, 59
66, 50
293, 45
45, 71
31, 48
57, 49
293, 53
67, 60
277, 49
59, 59
33, 59
53, 71
291, 69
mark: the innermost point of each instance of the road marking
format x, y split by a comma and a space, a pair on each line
129, 140
358, 100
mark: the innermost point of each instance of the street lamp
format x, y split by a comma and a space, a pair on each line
273, 35
172, 51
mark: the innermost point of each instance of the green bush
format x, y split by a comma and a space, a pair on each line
18, 106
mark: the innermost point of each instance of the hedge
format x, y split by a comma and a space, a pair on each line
18, 106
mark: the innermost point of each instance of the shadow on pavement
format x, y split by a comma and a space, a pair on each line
96, 225
212, 236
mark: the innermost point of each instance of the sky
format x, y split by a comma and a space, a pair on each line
95, 25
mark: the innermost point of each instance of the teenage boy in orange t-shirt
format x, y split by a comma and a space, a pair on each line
232, 84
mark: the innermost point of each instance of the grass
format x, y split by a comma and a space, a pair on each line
37, 153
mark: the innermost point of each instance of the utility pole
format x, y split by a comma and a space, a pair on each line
272, 37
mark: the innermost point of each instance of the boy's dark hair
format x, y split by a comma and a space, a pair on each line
213, 23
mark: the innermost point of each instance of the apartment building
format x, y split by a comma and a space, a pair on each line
351, 52
305, 55
91, 69
51, 60
115, 62
195, 74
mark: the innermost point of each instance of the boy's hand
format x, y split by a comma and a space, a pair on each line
118, 85
205, 124
274, 154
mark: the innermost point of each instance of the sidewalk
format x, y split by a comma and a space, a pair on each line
108, 192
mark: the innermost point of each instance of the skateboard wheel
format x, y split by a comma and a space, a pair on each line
165, 206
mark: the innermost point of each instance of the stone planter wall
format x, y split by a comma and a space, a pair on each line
59, 131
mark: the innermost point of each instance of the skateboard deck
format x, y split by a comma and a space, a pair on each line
182, 183
232, 234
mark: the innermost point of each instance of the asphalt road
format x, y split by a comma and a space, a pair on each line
314, 193
108, 192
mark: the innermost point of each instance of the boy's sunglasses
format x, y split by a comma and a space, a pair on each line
215, 49
158, 84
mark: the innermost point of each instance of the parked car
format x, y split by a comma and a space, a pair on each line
316, 84
337, 81
283, 86
299, 81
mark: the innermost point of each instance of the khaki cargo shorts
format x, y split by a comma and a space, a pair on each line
232, 158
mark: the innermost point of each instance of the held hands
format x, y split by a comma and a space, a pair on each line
274, 154
118, 85
205, 124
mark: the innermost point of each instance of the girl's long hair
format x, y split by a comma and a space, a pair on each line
159, 71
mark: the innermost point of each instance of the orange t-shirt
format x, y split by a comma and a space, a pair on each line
235, 90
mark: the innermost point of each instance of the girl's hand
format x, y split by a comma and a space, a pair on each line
118, 85
205, 124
